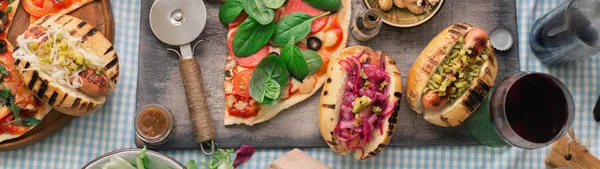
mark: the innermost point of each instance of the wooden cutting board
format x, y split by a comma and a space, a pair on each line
159, 80
97, 13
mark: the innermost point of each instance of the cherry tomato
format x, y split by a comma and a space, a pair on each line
7, 126
241, 83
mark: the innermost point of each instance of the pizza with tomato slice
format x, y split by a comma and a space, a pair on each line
8, 8
20, 110
39, 8
316, 28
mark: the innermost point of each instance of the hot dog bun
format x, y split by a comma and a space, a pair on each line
331, 98
431, 57
62, 97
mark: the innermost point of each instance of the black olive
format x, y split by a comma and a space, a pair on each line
2, 46
314, 43
4, 18
2, 28
274, 53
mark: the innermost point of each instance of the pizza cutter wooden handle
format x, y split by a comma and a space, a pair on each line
566, 154
196, 99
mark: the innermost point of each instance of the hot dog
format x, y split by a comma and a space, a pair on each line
93, 83
360, 102
452, 75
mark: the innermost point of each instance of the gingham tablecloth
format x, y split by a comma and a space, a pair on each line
111, 128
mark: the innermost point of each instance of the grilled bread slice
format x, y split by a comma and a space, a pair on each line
65, 98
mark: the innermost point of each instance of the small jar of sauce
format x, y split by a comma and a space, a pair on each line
154, 124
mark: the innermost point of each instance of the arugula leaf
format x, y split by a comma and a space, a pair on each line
30, 121
272, 89
297, 24
220, 160
142, 160
257, 10
15, 109
3, 71
295, 63
250, 37
313, 60
229, 10
274, 4
191, 165
270, 67
5, 93
326, 5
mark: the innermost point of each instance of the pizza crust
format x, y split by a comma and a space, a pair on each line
267, 112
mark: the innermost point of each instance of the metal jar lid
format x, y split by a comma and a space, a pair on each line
501, 39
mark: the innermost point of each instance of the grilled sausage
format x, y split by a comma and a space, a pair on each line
92, 83
476, 41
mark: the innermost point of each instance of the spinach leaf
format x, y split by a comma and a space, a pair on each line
3, 71
297, 24
326, 5
274, 4
257, 10
272, 89
313, 60
295, 63
30, 121
270, 67
250, 37
230, 9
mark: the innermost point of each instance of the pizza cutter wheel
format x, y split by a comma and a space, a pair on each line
178, 23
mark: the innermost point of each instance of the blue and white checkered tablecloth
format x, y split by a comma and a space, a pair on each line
110, 129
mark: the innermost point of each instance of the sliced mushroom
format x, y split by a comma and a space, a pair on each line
229, 65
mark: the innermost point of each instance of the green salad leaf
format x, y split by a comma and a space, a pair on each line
297, 24
294, 61
221, 159
274, 4
142, 160
250, 37
326, 5
270, 67
313, 60
259, 11
229, 10
191, 165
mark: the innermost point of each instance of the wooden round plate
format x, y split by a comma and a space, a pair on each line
98, 13
402, 17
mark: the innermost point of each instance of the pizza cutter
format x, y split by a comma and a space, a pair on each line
178, 23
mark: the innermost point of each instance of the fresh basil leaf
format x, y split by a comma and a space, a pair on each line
3, 71
297, 24
16, 110
230, 9
30, 121
326, 5
250, 37
270, 67
313, 60
272, 89
257, 10
273, 4
295, 63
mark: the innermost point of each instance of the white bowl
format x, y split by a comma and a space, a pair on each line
158, 160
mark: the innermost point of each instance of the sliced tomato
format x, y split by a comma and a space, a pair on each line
245, 107
318, 24
241, 83
251, 60
237, 21
39, 8
6, 125
61, 3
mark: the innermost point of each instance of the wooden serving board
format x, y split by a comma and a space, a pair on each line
97, 13
159, 80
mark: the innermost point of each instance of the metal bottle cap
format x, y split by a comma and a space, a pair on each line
177, 22
501, 39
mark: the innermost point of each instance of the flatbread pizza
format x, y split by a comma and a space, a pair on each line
328, 34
